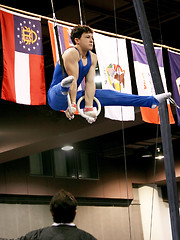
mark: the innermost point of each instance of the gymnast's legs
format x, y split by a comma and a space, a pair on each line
57, 95
115, 98
58, 101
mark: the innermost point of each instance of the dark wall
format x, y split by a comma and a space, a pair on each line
112, 183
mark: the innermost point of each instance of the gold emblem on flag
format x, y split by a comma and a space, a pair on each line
29, 36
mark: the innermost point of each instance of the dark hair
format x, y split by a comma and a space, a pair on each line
62, 206
78, 31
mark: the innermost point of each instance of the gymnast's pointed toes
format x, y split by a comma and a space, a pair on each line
66, 82
163, 96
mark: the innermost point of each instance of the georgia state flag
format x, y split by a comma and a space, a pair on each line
23, 61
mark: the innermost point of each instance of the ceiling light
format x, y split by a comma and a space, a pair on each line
159, 154
67, 148
159, 157
146, 155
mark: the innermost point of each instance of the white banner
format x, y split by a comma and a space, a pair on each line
114, 71
144, 81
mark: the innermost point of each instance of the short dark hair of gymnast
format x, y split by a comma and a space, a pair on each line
78, 31
63, 207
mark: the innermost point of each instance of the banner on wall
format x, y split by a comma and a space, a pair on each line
64, 39
144, 81
114, 72
23, 61
174, 59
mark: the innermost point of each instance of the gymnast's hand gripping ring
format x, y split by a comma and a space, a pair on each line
81, 111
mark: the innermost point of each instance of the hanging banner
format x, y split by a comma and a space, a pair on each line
23, 61
174, 59
114, 71
144, 81
64, 39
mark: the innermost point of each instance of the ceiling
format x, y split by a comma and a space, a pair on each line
28, 129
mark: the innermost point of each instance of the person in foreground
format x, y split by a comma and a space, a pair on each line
79, 62
63, 209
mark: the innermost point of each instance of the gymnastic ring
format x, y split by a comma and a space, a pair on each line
82, 113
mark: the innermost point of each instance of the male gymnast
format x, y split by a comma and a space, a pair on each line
79, 63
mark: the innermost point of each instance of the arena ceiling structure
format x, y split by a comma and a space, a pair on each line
29, 129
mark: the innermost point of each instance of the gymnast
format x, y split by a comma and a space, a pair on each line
79, 62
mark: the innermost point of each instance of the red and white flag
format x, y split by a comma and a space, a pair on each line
113, 62
23, 61
144, 81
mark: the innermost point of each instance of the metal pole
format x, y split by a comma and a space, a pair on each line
80, 12
164, 120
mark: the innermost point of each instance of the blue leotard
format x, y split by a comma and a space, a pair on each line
58, 101
83, 70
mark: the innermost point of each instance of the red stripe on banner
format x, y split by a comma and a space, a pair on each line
152, 115
8, 41
37, 80
171, 118
53, 45
66, 37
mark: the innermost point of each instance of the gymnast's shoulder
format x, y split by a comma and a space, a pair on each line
71, 53
93, 57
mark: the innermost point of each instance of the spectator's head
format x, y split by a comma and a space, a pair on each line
63, 207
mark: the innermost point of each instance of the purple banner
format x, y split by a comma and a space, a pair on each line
139, 54
174, 59
64, 37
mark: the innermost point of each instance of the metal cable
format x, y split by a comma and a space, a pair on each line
123, 132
